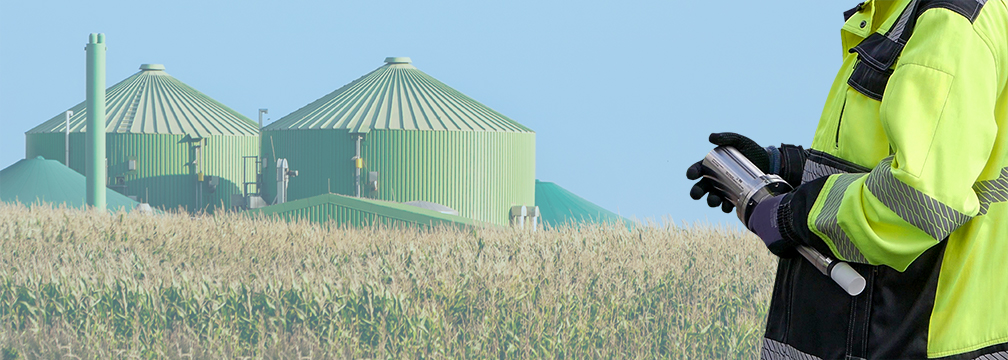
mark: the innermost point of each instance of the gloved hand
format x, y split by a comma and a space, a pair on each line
756, 154
750, 149
788, 162
764, 222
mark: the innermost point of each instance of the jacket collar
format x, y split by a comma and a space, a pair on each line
871, 18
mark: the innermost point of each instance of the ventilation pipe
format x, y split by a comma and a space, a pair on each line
533, 215
518, 214
358, 165
66, 139
95, 107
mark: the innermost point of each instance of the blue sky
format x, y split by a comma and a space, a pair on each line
622, 95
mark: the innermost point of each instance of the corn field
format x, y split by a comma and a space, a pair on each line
81, 284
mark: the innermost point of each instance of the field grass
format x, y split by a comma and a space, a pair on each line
76, 284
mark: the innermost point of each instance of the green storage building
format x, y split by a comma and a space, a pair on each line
37, 180
167, 144
410, 138
559, 206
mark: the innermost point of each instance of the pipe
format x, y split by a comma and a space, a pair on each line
533, 215
282, 177
357, 166
199, 174
66, 140
95, 107
518, 214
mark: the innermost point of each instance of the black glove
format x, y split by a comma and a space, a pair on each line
706, 186
787, 162
756, 154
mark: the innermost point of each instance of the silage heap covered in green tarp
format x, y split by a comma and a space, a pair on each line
32, 181
558, 206
352, 211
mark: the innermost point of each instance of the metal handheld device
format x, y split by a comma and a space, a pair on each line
742, 183
745, 185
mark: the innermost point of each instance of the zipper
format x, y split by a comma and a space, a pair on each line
840, 122
789, 281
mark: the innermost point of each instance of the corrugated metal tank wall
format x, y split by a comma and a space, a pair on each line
164, 175
321, 157
480, 174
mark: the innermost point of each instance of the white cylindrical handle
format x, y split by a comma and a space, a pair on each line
848, 278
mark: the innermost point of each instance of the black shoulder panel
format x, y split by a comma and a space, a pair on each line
969, 9
878, 53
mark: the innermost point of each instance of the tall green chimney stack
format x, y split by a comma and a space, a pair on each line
95, 107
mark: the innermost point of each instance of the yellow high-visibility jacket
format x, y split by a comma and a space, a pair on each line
907, 179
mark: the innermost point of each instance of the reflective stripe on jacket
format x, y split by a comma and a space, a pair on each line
912, 189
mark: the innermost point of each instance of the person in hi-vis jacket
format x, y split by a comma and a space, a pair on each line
907, 180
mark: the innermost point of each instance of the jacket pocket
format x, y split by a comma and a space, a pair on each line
912, 111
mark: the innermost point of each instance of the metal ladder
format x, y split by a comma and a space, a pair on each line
127, 122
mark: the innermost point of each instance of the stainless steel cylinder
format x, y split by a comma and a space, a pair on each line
742, 183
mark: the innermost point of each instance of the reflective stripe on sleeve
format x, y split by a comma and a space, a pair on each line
776, 350
913, 206
1002, 355
819, 164
827, 223
814, 170
992, 191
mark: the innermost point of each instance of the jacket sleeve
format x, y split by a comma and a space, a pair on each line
938, 115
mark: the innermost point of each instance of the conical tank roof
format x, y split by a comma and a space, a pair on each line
153, 102
397, 96
36, 180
